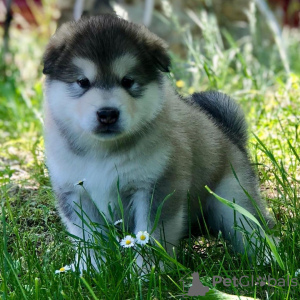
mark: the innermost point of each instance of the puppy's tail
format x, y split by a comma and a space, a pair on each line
225, 113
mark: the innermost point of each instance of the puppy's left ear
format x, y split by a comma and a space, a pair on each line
162, 59
158, 50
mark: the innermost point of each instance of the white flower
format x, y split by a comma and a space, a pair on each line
80, 182
297, 272
118, 222
65, 269
142, 237
127, 242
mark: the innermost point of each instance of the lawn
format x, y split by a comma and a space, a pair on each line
261, 72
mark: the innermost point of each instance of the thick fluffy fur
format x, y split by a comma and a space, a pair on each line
161, 144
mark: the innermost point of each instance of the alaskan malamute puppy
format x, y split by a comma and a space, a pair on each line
111, 114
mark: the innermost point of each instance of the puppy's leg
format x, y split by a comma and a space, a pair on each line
221, 217
170, 227
77, 212
141, 202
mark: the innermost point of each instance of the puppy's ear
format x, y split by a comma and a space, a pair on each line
161, 59
157, 49
51, 56
55, 48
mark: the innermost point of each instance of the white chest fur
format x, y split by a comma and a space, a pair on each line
135, 168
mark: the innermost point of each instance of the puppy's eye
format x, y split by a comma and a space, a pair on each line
83, 83
127, 82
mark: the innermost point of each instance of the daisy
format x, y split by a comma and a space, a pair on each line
65, 269
127, 242
142, 237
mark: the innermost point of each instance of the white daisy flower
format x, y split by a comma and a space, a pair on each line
142, 237
65, 269
118, 222
127, 242
297, 272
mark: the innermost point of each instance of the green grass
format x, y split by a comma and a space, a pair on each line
33, 241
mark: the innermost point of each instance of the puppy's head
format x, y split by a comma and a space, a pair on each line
104, 77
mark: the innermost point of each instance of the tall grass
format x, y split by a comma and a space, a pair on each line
33, 241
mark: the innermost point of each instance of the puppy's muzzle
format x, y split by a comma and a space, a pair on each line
108, 115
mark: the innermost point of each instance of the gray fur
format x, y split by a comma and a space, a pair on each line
64, 205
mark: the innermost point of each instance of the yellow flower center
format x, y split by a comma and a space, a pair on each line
128, 242
142, 237
62, 269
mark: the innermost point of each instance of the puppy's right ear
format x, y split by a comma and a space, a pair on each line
50, 57
55, 48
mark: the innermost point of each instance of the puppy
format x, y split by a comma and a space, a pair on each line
111, 115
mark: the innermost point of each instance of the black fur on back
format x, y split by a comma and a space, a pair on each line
226, 114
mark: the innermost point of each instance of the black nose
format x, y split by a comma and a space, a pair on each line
108, 115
